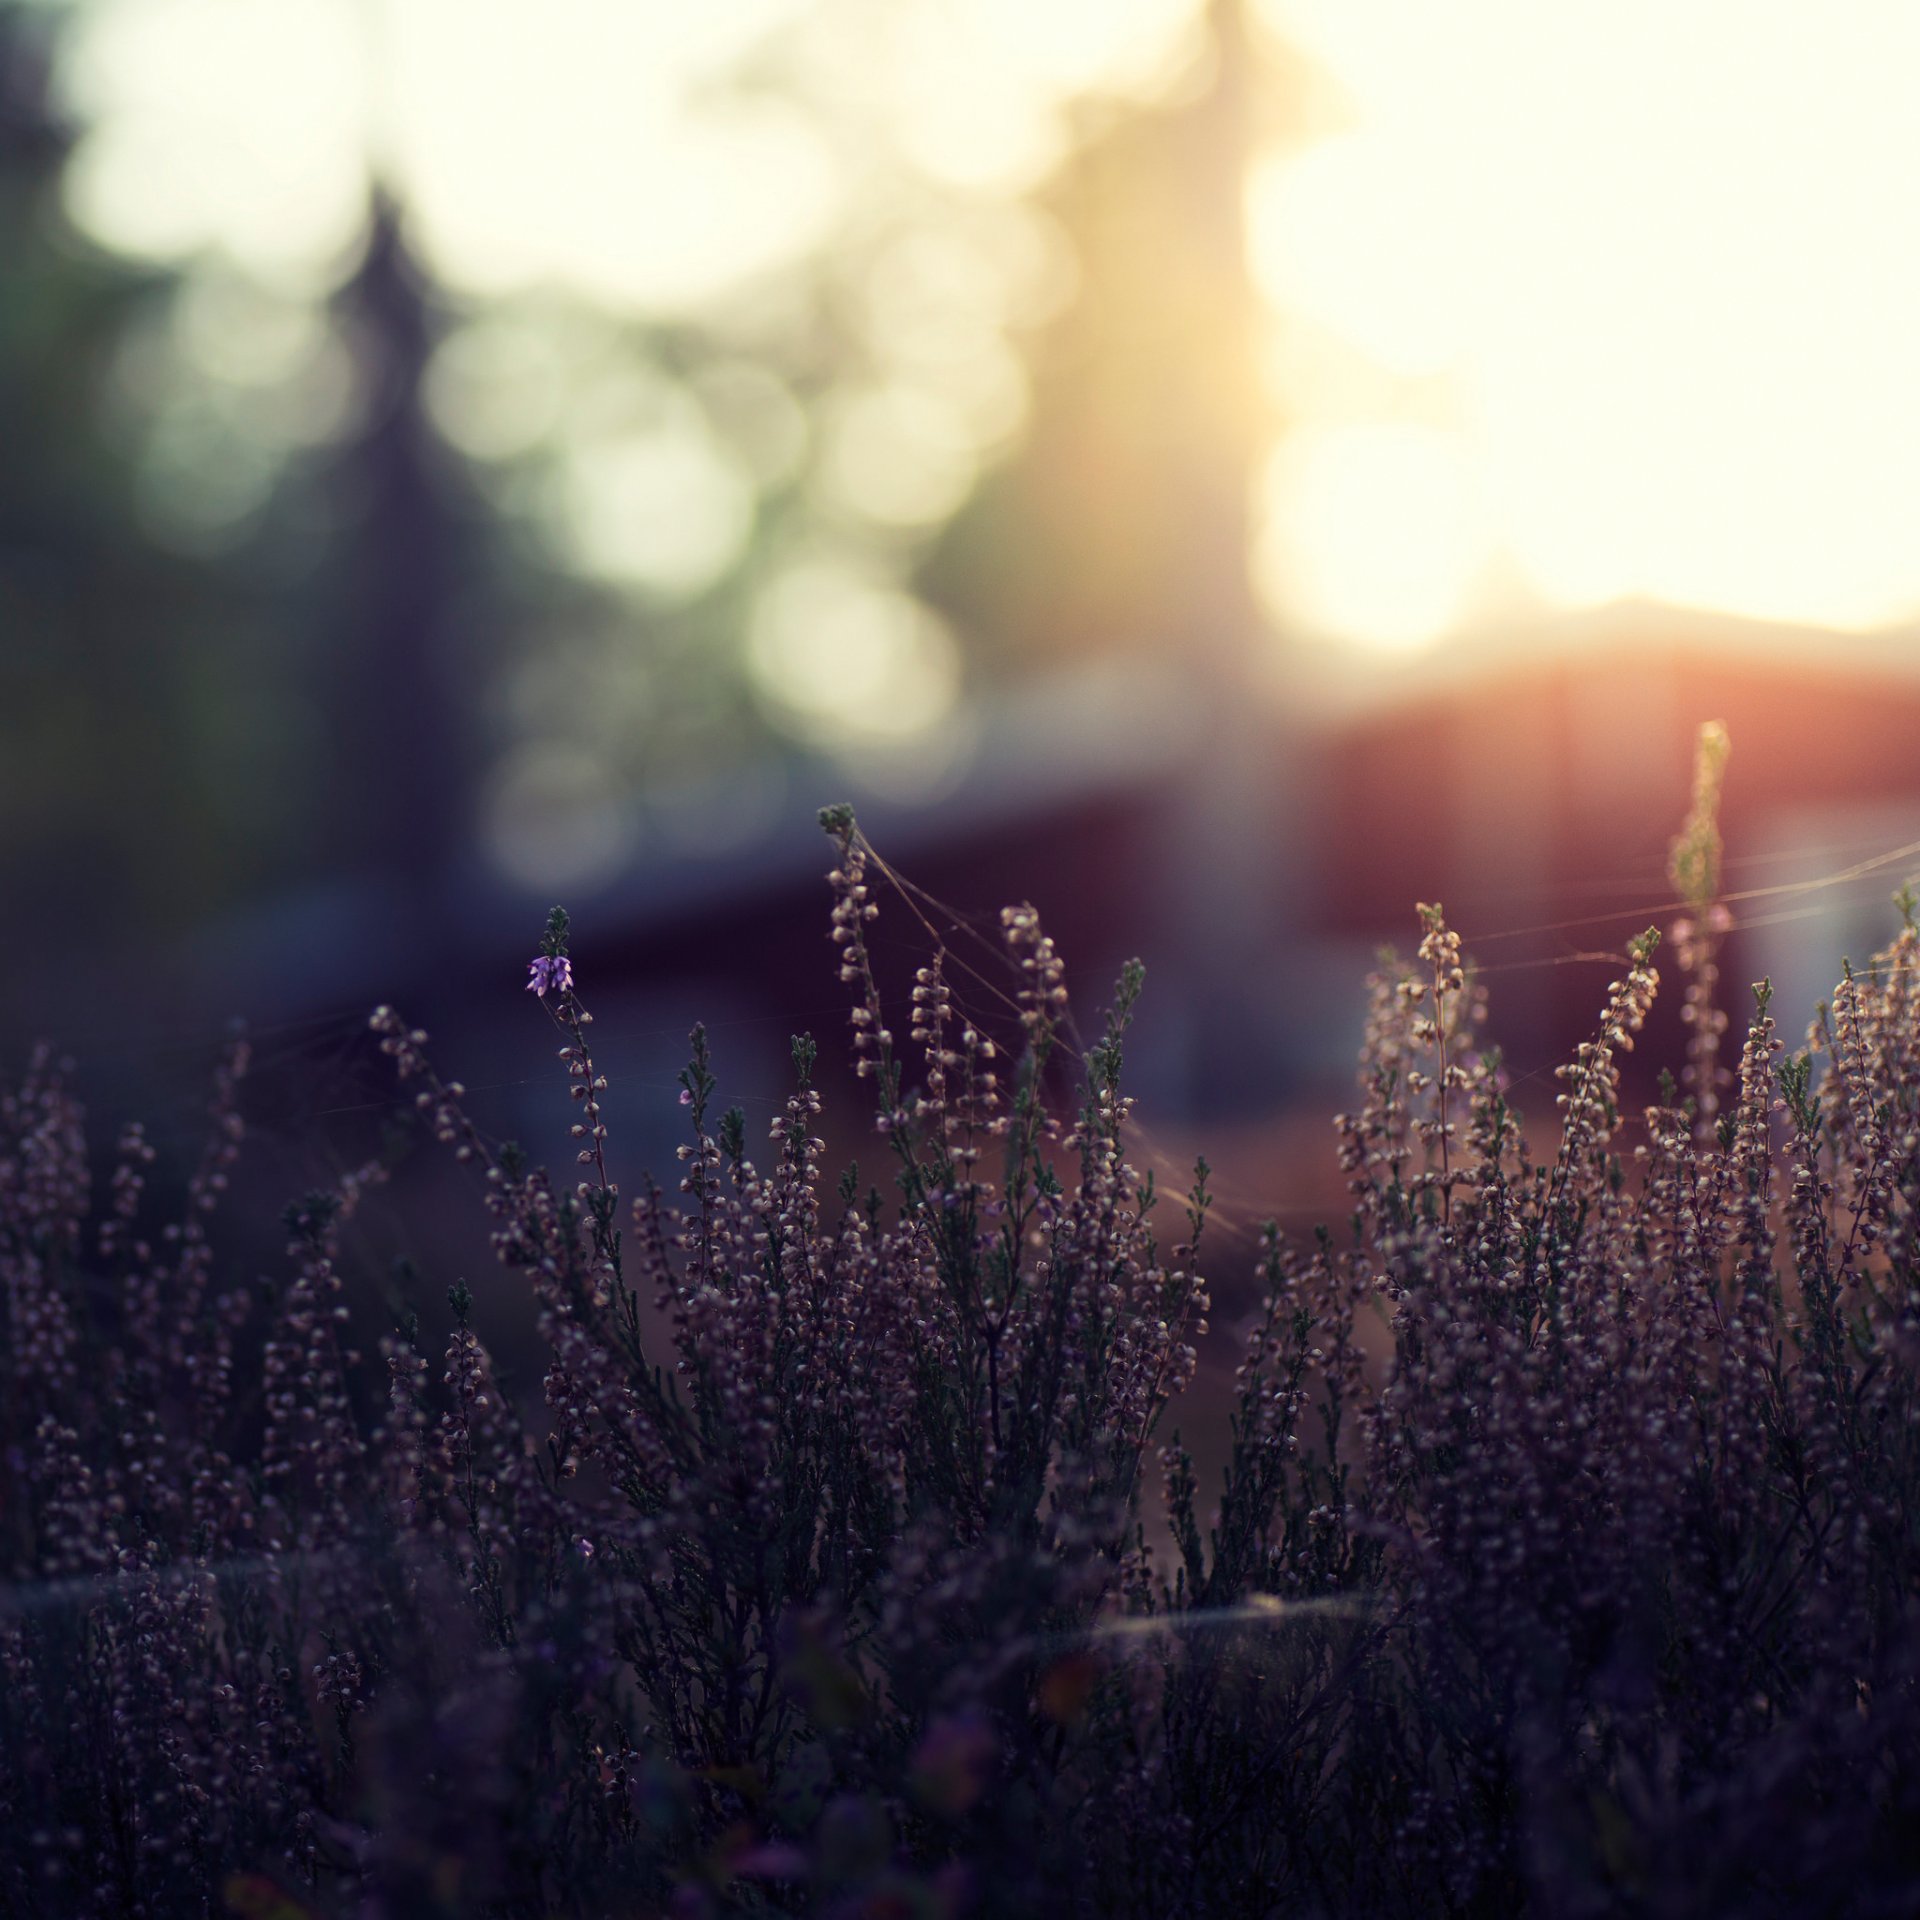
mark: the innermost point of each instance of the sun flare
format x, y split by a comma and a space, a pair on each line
1641, 270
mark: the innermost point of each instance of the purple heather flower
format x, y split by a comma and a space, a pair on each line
550, 971
686, 1096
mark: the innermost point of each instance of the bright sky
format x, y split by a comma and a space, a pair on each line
1598, 298
1588, 299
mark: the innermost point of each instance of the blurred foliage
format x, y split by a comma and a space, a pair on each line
306, 575
136, 704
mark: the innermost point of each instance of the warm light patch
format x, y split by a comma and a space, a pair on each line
1654, 258
1373, 533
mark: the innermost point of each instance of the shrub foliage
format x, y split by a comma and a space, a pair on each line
1565, 1561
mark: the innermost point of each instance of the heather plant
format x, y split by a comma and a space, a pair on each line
1564, 1560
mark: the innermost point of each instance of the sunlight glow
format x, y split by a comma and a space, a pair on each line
1647, 265
973, 92
1372, 532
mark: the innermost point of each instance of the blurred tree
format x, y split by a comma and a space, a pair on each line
137, 694
1120, 521
407, 626
985, 432
321, 569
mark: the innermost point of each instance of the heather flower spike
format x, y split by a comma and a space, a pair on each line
550, 970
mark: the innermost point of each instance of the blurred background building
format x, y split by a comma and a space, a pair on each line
1221, 469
